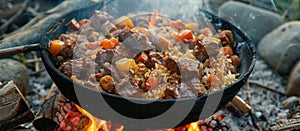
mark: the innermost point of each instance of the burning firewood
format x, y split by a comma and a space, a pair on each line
53, 111
13, 106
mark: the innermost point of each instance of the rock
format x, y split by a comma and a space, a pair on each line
280, 48
255, 21
16, 71
293, 85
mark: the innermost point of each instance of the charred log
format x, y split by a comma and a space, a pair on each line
13, 106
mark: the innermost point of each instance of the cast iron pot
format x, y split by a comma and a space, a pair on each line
143, 113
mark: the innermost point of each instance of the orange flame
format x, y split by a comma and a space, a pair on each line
95, 123
153, 19
194, 126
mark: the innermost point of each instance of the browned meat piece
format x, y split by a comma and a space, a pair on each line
172, 65
154, 57
188, 68
236, 61
67, 50
185, 90
171, 93
72, 67
128, 88
104, 56
111, 70
98, 20
200, 52
198, 87
73, 25
137, 43
226, 37
212, 48
79, 67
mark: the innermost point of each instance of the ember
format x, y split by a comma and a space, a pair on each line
78, 119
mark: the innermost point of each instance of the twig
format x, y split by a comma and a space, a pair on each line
33, 60
248, 92
19, 49
266, 87
37, 64
253, 117
3, 28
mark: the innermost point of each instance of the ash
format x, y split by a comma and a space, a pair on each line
266, 106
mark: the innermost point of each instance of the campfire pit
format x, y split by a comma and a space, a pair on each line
130, 111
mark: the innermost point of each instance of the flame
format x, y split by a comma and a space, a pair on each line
153, 19
94, 123
194, 126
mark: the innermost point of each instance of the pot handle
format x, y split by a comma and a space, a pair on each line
33, 31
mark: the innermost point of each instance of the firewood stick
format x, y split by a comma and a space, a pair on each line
266, 87
14, 107
240, 104
53, 111
19, 49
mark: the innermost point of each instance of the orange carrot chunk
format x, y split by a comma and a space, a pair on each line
107, 44
185, 35
55, 46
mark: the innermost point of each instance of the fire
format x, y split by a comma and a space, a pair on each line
94, 123
153, 19
194, 126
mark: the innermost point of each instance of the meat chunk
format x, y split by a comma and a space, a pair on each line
137, 43
188, 68
226, 37
171, 65
104, 56
79, 67
99, 19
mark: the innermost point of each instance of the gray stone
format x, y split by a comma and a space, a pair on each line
255, 21
16, 71
293, 85
281, 47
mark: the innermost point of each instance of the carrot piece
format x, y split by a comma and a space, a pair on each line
142, 57
210, 78
115, 41
107, 44
55, 46
185, 35
151, 83
227, 51
84, 21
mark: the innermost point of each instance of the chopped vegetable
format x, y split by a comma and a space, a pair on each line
151, 83
227, 51
192, 26
124, 22
210, 78
55, 46
107, 44
185, 35
125, 64
115, 41
142, 57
